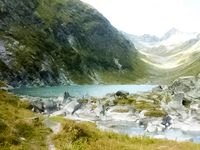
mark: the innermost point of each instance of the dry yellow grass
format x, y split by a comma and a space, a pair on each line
18, 129
85, 136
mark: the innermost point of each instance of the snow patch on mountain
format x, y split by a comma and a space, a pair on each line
175, 37
169, 40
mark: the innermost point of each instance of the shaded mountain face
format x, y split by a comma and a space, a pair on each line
175, 54
51, 42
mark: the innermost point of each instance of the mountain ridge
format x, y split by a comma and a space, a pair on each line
171, 37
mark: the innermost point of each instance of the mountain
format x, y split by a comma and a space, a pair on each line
52, 42
174, 37
175, 54
170, 39
170, 33
143, 41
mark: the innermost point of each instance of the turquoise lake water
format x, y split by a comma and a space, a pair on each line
81, 90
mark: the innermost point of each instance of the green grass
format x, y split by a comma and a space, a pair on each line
125, 101
121, 110
85, 136
83, 101
48, 10
152, 107
57, 119
156, 97
94, 107
143, 105
2, 84
166, 76
19, 127
155, 113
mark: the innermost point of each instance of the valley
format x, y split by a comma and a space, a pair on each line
173, 55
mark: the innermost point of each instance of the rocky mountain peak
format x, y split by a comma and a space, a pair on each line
170, 33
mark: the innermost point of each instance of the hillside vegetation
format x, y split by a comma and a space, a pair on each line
52, 42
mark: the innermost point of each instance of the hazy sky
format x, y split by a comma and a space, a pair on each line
150, 16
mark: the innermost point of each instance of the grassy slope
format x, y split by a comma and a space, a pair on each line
85, 136
17, 128
165, 76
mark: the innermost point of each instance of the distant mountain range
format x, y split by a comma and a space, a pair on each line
169, 40
175, 54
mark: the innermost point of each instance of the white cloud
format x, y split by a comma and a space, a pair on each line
150, 16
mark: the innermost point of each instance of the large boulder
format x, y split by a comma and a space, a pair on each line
183, 84
190, 85
122, 94
44, 106
194, 94
166, 121
178, 97
70, 106
154, 126
151, 127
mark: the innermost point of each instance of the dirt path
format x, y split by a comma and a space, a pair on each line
55, 127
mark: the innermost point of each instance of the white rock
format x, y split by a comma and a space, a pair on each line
160, 129
151, 127
141, 114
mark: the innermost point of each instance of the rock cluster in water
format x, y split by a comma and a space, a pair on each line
176, 106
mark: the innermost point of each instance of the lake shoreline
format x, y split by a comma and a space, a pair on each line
167, 112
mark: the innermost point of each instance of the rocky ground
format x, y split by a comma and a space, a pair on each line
175, 107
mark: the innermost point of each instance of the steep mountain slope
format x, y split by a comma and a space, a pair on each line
51, 42
175, 54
